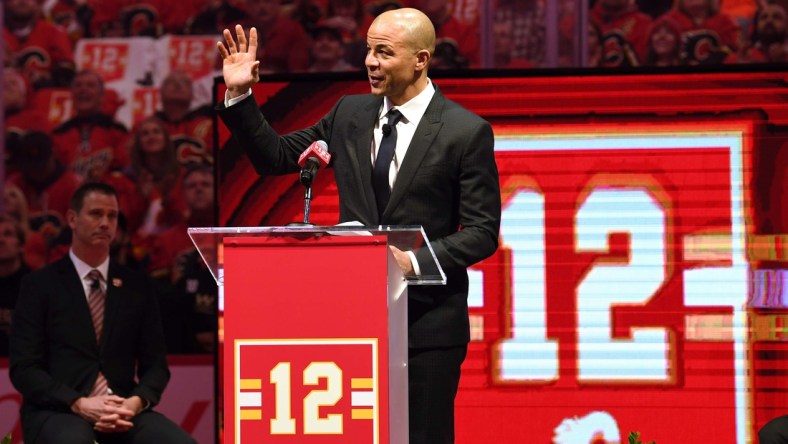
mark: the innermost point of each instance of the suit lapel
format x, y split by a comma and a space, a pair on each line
425, 133
114, 295
362, 124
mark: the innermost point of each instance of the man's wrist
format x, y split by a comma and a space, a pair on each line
75, 406
229, 100
143, 403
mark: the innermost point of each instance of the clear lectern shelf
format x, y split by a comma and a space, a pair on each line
210, 243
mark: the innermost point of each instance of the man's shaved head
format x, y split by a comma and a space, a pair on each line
417, 28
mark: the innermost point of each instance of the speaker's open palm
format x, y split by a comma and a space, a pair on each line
240, 66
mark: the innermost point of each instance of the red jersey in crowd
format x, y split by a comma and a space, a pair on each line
168, 252
465, 34
43, 53
284, 47
192, 136
709, 42
624, 35
48, 202
92, 146
139, 17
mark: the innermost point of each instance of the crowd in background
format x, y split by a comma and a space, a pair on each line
162, 163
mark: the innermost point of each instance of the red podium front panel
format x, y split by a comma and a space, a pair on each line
306, 340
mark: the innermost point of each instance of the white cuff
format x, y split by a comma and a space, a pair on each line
414, 262
228, 102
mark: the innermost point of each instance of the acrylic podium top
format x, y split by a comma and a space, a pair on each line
210, 243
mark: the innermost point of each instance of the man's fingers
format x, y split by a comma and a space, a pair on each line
239, 32
253, 41
222, 50
230, 42
124, 424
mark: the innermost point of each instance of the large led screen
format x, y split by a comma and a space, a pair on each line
640, 280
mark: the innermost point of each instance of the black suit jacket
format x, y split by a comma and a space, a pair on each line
447, 183
55, 356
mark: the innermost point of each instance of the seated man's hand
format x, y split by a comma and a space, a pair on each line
107, 412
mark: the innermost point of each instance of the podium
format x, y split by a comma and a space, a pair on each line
315, 331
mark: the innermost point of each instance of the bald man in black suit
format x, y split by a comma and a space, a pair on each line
443, 177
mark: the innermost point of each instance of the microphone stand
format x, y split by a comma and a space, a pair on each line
307, 201
306, 180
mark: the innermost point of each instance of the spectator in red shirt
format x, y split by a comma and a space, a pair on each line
769, 40
20, 116
328, 51
169, 248
156, 173
624, 32
128, 18
74, 17
40, 49
447, 27
191, 130
91, 143
12, 269
46, 184
664, 43
708, 36
284, 45
15, 206
213, 17
352, 20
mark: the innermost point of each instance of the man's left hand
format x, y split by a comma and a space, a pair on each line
403, 260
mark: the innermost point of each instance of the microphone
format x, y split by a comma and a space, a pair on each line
311, 160
386, 129
95, 284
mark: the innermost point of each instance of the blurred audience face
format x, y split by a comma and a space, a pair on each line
327, 48
14, 90
87, 92
771, 24
594, 45
22, 10
664, 42
263, 12
177, 87
198, 190
151, 137
502, 39
10, 241
14, 203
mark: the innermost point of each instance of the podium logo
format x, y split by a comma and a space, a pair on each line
319, 390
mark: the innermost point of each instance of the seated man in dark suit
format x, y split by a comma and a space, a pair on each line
87, 348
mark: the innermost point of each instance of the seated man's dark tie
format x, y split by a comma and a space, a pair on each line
380, 176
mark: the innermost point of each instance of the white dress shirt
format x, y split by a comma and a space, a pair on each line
83, 269
412, 112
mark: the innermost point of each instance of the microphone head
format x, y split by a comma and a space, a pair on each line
386, 129
318, 151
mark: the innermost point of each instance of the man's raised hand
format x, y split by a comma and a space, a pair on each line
240, 66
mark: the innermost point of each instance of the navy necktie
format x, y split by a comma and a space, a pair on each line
380, 176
